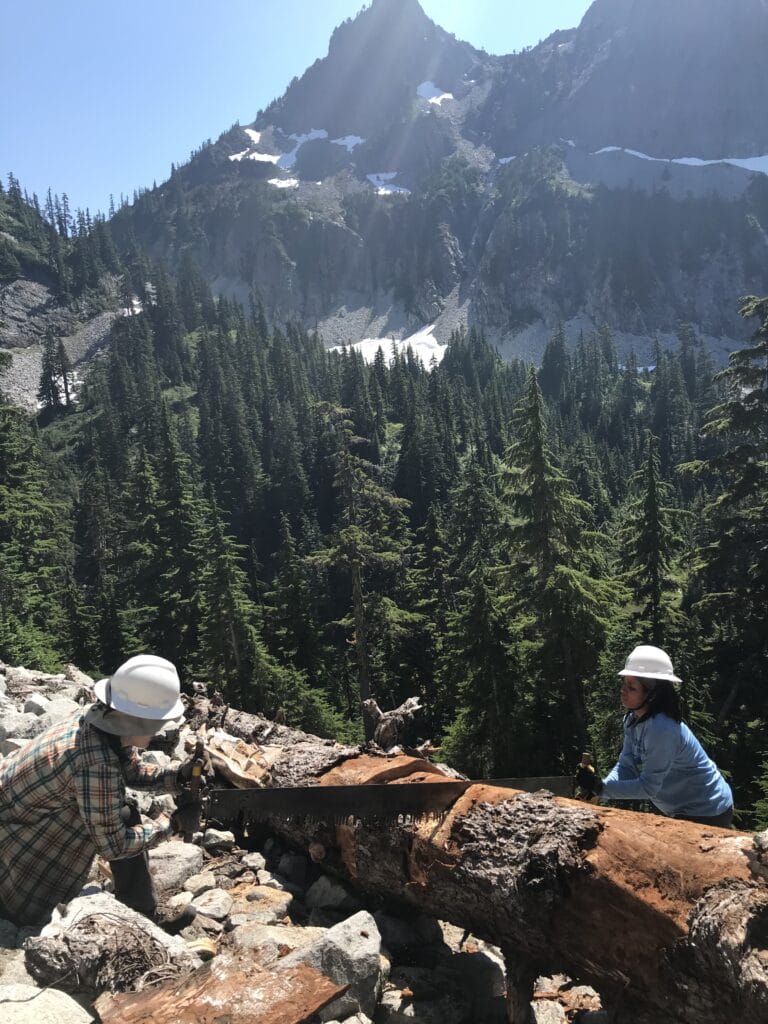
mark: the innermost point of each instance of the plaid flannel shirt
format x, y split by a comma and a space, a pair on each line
61, 797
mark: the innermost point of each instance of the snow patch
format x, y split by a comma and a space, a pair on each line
287, 160
284, 160
348, 141
284, 182
429, 91
423, 343
381, 182
265, 158
506, 159
134, 309
757, 164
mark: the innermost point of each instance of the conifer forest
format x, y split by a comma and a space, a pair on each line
305, 530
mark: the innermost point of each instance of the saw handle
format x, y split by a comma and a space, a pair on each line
189, 801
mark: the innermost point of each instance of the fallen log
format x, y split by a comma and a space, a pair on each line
668, 920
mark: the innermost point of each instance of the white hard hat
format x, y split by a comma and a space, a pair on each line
649, 663
144, 686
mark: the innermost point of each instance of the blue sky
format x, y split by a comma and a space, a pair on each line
101, 97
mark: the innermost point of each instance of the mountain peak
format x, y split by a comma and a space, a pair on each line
374, 65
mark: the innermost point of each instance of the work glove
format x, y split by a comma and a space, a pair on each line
185, 820
588, 782
196, 766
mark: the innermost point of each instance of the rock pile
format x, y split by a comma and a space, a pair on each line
267, 922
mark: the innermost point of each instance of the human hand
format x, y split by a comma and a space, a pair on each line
588, 782
185, 820
195, 770
586, 778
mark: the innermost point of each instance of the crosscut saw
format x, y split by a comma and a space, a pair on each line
388, 804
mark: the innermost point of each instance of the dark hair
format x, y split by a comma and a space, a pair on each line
663, 699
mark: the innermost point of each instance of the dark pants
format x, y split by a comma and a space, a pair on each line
133, 882
724, 820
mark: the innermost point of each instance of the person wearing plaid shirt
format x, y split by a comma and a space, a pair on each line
63, 798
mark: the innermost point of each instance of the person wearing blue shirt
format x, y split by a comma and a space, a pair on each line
661, 760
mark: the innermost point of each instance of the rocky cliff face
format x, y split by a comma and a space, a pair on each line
408, 178
682, 79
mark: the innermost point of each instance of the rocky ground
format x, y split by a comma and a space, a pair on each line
266, 920
29, 311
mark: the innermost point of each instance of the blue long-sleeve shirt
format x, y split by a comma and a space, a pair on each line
662, 761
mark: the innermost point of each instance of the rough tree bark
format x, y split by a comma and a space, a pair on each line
668, 920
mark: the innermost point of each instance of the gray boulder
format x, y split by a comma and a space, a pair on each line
36, 704
201, 882
217, 840
349, 954
213, 903
161, 803
25, 1004
142, 798
23, 680
293, 867
548, 1011
269, 942
73, 674
173, 862
397, 1008
156, 758
13, 969
329, 894
261, 904
59, 710
19, 725
254, 862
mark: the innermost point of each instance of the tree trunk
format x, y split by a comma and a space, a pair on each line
361, 640
668, 920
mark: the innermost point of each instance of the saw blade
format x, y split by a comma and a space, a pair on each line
376, 803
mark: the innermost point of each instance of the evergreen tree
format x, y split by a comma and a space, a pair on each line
180, 516
554, 375
35, 552
422, 477
648, 543
141, 557
366, 539
48, 393
561, 597
64, 368
730, 585
167, 330
478, 668
292, 625
231, 651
